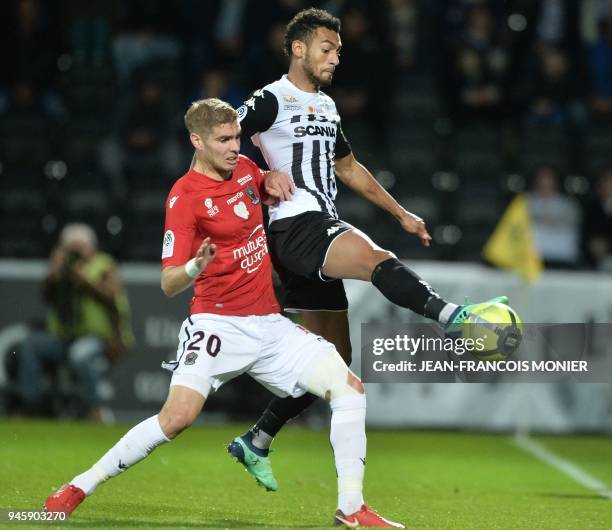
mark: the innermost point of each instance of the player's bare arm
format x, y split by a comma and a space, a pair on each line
176, 279
357, 177
279, 186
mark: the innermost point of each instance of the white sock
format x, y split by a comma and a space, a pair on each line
261, 439
446, 313
348, 439
135, 445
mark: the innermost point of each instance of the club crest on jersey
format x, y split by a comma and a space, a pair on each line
252, 195
241, 210
191, 357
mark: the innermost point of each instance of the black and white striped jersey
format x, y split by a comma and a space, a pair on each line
299, 133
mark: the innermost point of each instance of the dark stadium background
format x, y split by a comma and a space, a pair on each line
73, 75
452, 104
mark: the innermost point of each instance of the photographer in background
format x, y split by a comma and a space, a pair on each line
88, 324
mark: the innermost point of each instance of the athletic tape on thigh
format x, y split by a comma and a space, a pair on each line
327, 373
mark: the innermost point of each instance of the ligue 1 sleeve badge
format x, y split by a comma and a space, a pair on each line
251, 194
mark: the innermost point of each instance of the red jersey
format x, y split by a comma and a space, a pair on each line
239, 280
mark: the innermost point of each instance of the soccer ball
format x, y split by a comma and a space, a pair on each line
496, 329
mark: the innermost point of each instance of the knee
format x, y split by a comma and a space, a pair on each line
383, 255
173, 422
378, 256
349, 386
354, 382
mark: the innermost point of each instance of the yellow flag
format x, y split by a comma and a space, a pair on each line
511, 246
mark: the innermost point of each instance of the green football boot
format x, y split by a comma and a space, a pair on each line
259, 467
455, 322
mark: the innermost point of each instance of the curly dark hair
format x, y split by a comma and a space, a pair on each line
305, 23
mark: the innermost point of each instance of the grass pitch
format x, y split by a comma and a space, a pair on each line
424, 479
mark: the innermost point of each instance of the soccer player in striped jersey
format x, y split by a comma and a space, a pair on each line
298, 130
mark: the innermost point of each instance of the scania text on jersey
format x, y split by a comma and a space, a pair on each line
252, 253
314, 130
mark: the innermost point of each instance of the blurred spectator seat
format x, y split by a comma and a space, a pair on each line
89, 91
478, 165
476, 153
600, 59
82, 136
416, 102
21, 236
597, 229
91, 206
477, 140
23, 201
474, 71
599, 148
165, 74
478, 207
21, 177
413, 163
544, 145
24, 144
143, 232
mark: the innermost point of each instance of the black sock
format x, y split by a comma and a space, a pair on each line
403, 287
280, 411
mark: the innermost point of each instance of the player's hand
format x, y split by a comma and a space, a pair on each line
205, 254
413, 224
279, 185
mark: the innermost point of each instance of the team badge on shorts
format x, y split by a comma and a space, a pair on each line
252, 195
191, 357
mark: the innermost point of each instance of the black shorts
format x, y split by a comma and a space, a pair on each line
298, 247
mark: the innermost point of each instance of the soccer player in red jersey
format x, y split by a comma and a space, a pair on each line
214, 239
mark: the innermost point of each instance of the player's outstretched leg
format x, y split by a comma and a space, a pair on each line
179, 412
355, 255
329, 377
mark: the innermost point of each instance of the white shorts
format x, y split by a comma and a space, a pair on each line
213, 349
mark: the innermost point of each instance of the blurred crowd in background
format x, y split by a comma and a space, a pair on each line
455, 105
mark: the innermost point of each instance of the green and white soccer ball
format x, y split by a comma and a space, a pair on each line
496, 329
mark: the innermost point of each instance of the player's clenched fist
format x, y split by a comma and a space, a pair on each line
279, 186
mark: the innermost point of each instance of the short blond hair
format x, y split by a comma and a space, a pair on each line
205, 114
